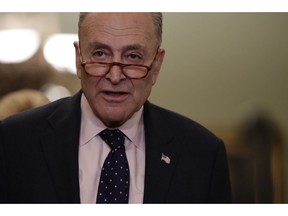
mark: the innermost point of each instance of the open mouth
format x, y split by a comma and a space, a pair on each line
115, 96
114, 93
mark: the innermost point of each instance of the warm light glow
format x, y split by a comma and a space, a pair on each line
54, 92
18, 45
59, 52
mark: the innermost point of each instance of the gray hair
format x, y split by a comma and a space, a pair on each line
157, 19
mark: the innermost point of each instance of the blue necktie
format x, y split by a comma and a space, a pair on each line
114, 180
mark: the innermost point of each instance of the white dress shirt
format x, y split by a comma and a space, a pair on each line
93, 151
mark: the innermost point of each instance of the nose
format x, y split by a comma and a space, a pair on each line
115, 74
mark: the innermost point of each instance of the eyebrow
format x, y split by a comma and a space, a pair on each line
93, 45
100, 45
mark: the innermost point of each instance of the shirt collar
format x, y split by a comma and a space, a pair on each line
91, 125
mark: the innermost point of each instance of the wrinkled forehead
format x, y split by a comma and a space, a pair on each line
121, 19
118, 25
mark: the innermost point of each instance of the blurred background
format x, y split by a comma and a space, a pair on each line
227, 71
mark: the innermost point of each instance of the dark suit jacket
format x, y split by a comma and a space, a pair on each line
39, 157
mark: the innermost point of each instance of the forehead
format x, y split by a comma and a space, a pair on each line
118, 28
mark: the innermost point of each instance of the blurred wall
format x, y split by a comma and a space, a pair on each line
220, 67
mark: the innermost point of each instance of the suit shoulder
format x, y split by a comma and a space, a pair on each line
169, 116
178, 123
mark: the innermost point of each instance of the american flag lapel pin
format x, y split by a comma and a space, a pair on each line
165, 158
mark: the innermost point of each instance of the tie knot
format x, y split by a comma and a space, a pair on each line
114, 138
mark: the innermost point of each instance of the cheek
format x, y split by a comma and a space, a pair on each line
143, 89
79, 74
154, 77
89, 84
153, 80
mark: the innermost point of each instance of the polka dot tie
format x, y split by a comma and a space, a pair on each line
114, 180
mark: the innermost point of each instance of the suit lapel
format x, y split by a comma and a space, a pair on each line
60, 147
162, 153
61, 144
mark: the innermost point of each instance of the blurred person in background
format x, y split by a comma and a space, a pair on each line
21, 100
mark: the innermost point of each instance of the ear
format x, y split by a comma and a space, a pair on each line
157, 64
77, 59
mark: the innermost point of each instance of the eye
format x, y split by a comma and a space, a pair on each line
99, 53
134, 58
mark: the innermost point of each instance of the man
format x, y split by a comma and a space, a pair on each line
55, 154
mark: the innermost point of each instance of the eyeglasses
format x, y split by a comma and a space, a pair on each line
131, 71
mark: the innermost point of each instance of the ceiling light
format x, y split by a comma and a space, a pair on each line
60, 53
18, 45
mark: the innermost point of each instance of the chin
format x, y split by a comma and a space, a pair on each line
116, 116
115, 119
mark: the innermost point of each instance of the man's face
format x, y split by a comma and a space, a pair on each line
118, 37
